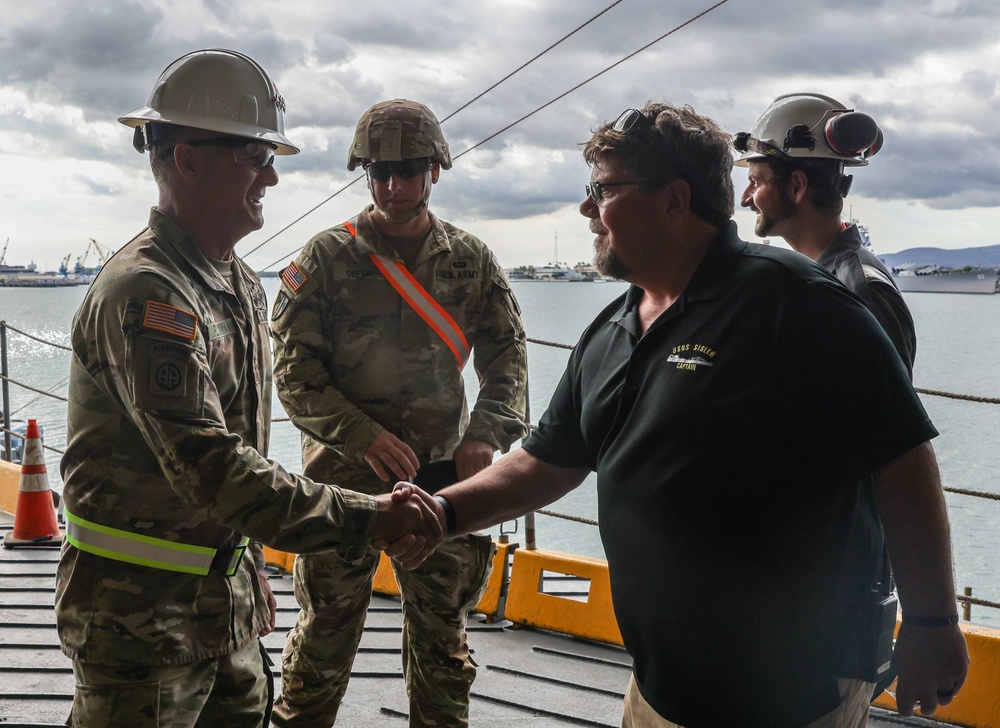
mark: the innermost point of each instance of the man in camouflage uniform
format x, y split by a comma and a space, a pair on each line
375, 384
165, 471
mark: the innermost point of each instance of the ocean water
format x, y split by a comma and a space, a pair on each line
958, 351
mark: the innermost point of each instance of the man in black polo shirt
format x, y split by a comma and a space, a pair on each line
731, 402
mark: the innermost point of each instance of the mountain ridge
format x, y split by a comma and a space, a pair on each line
984, 256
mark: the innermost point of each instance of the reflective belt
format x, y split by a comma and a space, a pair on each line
156, 553
422, 303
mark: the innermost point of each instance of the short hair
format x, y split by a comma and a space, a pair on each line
824, 178
162, 150
674, 143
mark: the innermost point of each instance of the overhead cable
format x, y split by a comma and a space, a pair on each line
513, 123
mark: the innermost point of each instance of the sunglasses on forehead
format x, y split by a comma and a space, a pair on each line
629, 121
405, 169
258, 155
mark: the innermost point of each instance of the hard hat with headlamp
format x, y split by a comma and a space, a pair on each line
810, 126
214, 90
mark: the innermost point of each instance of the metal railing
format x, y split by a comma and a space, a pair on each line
966, 598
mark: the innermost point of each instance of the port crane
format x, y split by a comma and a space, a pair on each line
81, 261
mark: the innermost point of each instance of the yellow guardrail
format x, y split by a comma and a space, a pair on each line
592, 617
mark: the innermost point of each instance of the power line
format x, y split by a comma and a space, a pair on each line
517, 121
528, 63
596, 75
453, 113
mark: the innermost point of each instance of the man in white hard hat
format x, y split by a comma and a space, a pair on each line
796, 155
373, 326
160, 597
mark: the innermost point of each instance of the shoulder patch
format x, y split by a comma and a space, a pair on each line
293, 277
280, 305
169, 319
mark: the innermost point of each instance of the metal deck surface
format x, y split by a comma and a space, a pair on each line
526, 677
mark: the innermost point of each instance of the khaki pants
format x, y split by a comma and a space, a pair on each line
855, 696
231, 691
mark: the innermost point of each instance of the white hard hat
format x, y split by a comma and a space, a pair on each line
215, 90
810, 126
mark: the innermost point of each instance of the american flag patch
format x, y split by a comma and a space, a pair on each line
173, 320
293, 277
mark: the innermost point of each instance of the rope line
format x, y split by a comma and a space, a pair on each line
965, 397
33, 389
551, 343
973, 493
35, 338
980, 602
567, 517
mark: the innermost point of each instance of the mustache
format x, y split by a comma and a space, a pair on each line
597, 228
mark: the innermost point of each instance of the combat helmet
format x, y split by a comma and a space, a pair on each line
391, 131
215, 90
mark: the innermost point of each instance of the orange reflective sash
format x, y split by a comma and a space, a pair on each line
422, 303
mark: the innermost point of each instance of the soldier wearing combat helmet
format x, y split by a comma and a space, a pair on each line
160, 600
373, 378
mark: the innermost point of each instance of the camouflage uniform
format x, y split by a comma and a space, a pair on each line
352, 358
167, 431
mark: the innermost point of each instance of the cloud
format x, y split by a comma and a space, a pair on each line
927, 70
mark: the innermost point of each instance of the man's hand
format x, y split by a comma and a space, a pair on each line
388, 451
932, 663
272, 603
471, 456
407, 527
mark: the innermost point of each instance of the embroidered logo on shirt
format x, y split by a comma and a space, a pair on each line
172, 320
293, 277
691, 356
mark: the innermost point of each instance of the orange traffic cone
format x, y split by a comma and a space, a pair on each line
35, 518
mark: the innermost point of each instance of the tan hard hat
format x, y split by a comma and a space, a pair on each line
391, 131
216, 90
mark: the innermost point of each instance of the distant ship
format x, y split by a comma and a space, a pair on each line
939, 279
911, 278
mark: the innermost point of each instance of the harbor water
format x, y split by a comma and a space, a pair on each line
958, 350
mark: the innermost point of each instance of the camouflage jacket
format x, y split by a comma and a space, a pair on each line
352, 358
169, 411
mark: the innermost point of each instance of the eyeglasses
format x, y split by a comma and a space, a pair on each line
596, 189
405, 169
258, 155
630, 120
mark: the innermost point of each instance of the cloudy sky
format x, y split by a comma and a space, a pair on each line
927, 70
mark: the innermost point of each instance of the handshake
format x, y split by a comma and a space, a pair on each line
409, 524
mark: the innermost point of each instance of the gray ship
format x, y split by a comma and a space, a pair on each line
939, 279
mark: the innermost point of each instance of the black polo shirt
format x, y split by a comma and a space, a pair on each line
729, 443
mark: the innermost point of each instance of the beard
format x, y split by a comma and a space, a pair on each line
782, 209
609, 264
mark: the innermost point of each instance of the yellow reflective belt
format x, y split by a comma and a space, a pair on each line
156, 553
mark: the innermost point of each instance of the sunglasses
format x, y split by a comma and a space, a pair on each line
630, 120
596, 189
405, 169
258, 155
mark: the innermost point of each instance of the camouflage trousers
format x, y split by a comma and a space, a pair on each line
233, 691
334, 595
